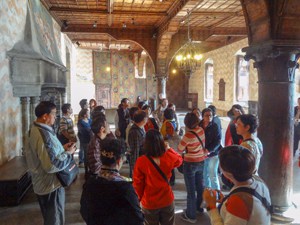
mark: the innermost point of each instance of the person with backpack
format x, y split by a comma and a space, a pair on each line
248, 202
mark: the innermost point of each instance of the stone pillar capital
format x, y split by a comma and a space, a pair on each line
272, 49
274, 56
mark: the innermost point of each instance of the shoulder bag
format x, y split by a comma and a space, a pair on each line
69, 174
159, 170
180, 168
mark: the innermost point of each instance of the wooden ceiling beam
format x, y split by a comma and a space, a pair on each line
90, 28
104, 12
216, 13
114, 32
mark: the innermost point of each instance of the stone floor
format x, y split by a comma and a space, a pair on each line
28, 212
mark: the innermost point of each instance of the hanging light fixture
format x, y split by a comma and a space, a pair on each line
188, 59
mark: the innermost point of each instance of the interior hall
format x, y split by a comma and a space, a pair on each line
195, 53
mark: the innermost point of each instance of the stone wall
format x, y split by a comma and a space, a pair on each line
12, 24
224, 61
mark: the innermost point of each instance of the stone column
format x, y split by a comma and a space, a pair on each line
63, 97
25, 120
162, 87
33, 103
276, 68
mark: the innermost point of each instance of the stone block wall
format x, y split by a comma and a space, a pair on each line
224, 61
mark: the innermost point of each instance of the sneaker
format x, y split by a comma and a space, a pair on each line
185, 218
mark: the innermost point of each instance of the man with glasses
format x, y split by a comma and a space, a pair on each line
46, 156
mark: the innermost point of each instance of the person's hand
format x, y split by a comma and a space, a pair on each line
167, 146
70, 147
210, 197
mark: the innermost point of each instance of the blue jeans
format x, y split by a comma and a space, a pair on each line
82, 152
193, 178
53, 207
210, 174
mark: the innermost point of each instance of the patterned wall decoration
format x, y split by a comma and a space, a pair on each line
44, 24
224, 67
121, 77
12, 25
100, 64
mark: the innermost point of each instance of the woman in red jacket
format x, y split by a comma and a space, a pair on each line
154, 192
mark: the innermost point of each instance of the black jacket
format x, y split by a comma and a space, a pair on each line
213, 137
105, 202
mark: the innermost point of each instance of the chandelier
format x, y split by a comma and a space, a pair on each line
188, 59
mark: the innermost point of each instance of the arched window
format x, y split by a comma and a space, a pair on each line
209, 80
242, 79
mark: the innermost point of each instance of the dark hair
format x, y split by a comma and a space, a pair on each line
169, 114
230, 113
132, 110
93, 100
213, 109
44, 107
251, 120
206, 110
141, 104
239, 107
197, 110
111, 151
146, 107
139, 116
65, 107
83, 102
82, 113
238, 161
154, 143
191, 120
98, 123
124, 100
170, 105
97, 111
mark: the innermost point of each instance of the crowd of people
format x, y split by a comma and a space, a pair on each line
154, 145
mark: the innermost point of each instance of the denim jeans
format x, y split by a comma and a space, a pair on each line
82, 152
53, 207
193, 178
210, 173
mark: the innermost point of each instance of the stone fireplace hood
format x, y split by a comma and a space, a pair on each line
35, 62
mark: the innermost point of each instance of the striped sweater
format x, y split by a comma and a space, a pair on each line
195, 151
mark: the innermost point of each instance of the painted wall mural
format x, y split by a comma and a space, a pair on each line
117, 71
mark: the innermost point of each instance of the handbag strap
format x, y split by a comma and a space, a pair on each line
158, 169
193, 132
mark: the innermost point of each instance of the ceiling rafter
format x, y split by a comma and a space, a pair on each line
104, 12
